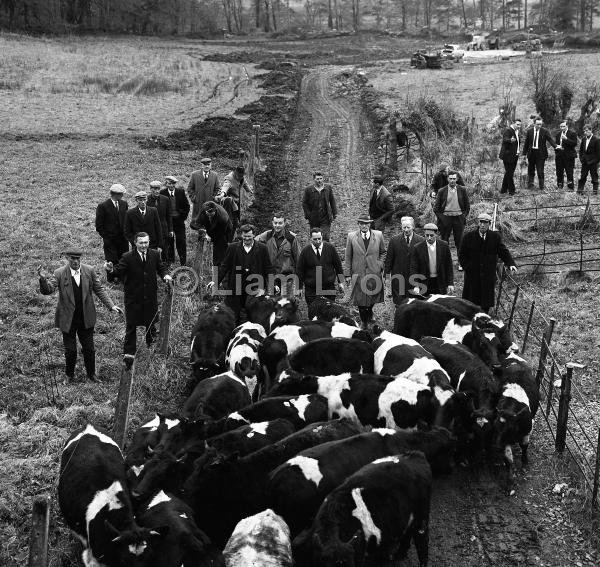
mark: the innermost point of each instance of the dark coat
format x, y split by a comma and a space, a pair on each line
544, 138
149, 222
310, 204
220, 230
442, 197
419, 262
569, 145
307, 268
163, 205
440, 179
139, 285
509, 150
259, 262
199, 191
380, 205
181, 202
479, 259
397, 260
65, 308
109, 222
592, 154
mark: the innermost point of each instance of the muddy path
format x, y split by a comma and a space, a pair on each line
473, 521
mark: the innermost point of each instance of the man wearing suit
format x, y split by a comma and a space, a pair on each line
142, 218
180, 209
397, 259
319, 205
110, 223
203, 186
536, 150
451, 209
75, 311
478, 255
365, 253
432, 263
509, 154
319, 269
589, 156
248, 269
564, 155
138, 270
163, 207
380, 201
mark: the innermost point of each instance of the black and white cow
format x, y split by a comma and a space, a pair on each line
287, 339
210, 336
322, 309
372, 516
333, 356
242, 353
95, 503
466, 308
146, 437
297, 488
216, 397
224, 489
184, 545
260, 540
271, 312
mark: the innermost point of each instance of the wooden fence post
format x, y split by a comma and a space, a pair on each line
563, 407
550, 390
165, 322
546, 338
529, 319
512, 309
122, 406
502, 278
596, 475
40, 524
580, 252
393, 143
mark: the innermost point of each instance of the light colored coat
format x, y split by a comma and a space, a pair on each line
365, 267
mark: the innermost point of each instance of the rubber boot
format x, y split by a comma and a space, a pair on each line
594, 188
580, 187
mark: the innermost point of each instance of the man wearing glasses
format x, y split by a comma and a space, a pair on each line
478, 255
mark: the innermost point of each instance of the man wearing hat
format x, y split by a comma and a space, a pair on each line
180, 209
380, 201
431, 262
234, 190
163, 208
364, 263
203, 186
110, 222
319, 205
478, 255
75, 310
215, 222
142, 218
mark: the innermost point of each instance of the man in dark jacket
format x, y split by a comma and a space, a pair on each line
564, 155
431, 261
163, 206
380, 201
216, 224
142, 218
319, 205
397, 259
180, 209
138, 270
319, 269
440, 179
535, 148
451, 209
203, 186
478, 255
247, 270
110, 222
589, 156
234, 190
509, 154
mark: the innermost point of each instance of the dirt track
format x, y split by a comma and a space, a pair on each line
473, 521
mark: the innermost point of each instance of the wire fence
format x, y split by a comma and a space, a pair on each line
565, 408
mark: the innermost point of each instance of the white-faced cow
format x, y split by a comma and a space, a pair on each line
271, 312
297, 488
94, 501
242, 354
372, 517
260, 540
322, 309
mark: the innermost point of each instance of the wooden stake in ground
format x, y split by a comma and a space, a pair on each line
122, 407
40, 524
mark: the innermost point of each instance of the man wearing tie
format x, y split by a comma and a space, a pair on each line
589, 156
565, 153
110, 223
380, 202
432, 262
180, 209
319, 269
509, 154
536, 150
203, 186
138, 270
142, 218
397, 259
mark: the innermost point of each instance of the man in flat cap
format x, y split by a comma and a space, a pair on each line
75, 310
163, 208
203, 186
380, 201
142, 218
478, 255
318, 203
431, 261
180, 209
216, 224
110, 222
234, 189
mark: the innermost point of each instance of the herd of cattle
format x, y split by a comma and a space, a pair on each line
307, 443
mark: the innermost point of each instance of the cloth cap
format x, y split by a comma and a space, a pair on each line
364, 218
484, 216
430, 226
74, 252
141, 194
155, 184
117, 188
378, 179
171, 178
206, 160
209, 205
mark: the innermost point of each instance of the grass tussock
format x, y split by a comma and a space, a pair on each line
151, 86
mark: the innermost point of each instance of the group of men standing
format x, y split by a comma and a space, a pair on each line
534, 147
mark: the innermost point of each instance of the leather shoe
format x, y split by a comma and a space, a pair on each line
128, 360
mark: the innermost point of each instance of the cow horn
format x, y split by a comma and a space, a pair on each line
112, 530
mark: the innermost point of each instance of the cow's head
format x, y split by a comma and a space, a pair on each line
286, 312
131, 547
336, 553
